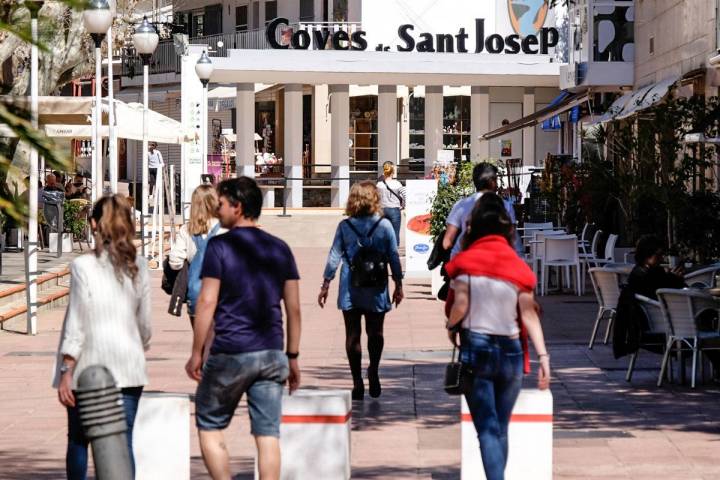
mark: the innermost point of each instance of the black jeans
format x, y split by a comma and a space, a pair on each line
353, 329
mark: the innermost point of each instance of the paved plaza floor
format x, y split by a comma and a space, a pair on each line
604, 427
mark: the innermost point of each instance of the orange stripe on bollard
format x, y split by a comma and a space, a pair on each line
316, 418
519, 417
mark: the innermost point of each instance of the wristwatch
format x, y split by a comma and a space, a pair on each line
64, 368
292, 356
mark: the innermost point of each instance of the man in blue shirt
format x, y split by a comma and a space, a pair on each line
246, 274
485, 180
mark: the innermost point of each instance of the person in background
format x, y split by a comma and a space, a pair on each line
59, 176
192, 240
107, 323
247, 273
392, 198
484, 177
155, 161
492, 305
367, 226
51, 184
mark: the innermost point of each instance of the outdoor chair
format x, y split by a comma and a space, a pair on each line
609, 257
681, 308
656, 333
703, 278
606, 284
560, 251
537, 250
528, 230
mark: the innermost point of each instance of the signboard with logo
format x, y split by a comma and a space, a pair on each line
418, 243
191, 114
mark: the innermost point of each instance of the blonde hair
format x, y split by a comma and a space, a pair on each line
115, 233
203, 206
364, 200
388, 169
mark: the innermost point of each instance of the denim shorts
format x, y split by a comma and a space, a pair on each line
226, 377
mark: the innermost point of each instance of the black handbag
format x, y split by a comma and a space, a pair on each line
454, 383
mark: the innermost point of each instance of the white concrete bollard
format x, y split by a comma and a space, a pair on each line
530, 439
315, 435
161, 437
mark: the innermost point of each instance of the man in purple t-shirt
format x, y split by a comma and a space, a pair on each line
246, 274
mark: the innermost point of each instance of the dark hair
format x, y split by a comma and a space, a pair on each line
484, 175
243, 191
489, 217
115, 233
646, 247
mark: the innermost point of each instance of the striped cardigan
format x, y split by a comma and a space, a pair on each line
107, 322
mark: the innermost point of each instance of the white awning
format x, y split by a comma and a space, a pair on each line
648, 96
70, 117
223, 92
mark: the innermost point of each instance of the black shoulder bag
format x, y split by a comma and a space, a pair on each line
457, 375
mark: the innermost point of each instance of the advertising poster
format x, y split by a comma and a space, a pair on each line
418, 243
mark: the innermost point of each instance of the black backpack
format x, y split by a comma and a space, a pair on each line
368, 267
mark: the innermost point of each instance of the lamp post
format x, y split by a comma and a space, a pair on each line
31, 255
145, 40
97, 18
112, 130
203, 69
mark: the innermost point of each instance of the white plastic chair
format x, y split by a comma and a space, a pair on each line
657, 326
560, 251
609, 253
681, 308
528, 230
703, 278
587, 252
606, 284
537, 249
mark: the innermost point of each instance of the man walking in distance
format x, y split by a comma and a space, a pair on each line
155, 161
246, 273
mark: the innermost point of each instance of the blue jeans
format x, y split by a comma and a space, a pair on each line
497, 367
395, 217
76, 459
227, 376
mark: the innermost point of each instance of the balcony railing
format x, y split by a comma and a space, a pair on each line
166, 60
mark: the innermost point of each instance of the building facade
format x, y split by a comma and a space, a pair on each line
423, 81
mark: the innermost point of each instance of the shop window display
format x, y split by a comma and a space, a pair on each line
363, 133
417, 133
456, 126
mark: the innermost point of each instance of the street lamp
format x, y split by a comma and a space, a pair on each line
31, 254
97, 18
112, 130
203, 69
145, 40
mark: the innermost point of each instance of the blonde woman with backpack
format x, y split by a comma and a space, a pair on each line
369, 237
192, 239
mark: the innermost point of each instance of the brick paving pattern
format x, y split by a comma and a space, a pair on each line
604, 427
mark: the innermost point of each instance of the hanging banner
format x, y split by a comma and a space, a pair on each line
418, 243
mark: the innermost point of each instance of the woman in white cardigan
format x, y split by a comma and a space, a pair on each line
106, 323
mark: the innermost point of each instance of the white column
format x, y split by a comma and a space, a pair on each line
321, 129
529, 133
293, 144
339, 149
245, 124
433, 124
144, 159
387, 125
112, 136
99, 178
479, 123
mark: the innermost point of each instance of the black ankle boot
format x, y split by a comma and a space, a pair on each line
374, 383
358, 391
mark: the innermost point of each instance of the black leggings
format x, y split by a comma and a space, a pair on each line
353, 329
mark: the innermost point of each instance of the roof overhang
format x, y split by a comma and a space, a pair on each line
318, 67
533, 119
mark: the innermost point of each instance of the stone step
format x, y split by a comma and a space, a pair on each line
52, 288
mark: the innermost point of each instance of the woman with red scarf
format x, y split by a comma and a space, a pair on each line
492, 305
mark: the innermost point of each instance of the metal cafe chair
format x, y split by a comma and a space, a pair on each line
703, 278
681, 308
606, 284
656, 332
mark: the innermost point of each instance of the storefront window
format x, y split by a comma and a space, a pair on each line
363, 133
306, 11
241, 18
340, 10
456, 126
417, 129
270, 12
